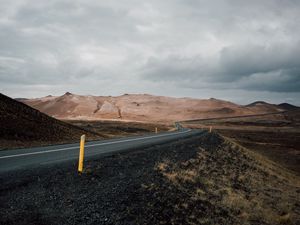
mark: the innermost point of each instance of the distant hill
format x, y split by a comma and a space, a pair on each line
257, 103
271, 107
261, 106
23, 126
142, 107
287, 106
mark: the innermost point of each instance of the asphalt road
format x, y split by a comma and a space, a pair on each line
22, 159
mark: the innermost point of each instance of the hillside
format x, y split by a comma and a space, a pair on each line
23, 126
287, 106
142, 107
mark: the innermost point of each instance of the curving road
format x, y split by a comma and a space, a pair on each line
29, 158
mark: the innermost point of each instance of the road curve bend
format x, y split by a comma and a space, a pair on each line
20, 159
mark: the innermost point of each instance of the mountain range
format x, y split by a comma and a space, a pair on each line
144, 107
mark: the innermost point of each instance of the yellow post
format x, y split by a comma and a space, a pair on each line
156, 130
81, 154
210, 128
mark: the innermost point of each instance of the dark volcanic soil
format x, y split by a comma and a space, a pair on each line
118, 128
280, 146
201, 180
23, 126
275, 136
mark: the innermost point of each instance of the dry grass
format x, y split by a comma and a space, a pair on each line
250, 186
276, 137
266, 164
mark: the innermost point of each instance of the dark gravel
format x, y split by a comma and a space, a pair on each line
133, 188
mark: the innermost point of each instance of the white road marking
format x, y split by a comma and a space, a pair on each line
92, 145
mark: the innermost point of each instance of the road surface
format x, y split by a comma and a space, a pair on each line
11, 160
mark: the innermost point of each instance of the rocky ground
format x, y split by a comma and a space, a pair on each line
201, 180
276, 136
279, 146
119, 128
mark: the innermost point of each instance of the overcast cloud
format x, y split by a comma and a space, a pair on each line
231, 49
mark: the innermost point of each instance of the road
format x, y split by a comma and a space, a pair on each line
20, 159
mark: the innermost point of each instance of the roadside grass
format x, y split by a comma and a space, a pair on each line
204, 179
243, 182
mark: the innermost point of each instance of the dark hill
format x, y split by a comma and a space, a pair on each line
23, 126
287, 106
257, 103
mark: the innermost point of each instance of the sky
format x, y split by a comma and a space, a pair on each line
241, 51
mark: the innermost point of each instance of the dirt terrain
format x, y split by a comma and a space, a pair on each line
144, 107
276, 136
23, 126
119, 129
201, 180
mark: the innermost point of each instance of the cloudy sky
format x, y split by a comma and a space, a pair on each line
236, 50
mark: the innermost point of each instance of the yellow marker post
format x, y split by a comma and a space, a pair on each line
81, 154
210, 129
156, 130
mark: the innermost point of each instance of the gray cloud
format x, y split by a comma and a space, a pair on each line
246, 60
274, 68
180, 47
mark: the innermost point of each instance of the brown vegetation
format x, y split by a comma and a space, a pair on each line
275, 136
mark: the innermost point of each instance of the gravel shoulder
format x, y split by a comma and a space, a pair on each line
200, 180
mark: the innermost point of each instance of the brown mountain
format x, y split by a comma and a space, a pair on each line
261, 106
23, 126
142, 107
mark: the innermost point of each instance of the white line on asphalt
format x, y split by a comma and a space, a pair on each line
106, 143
